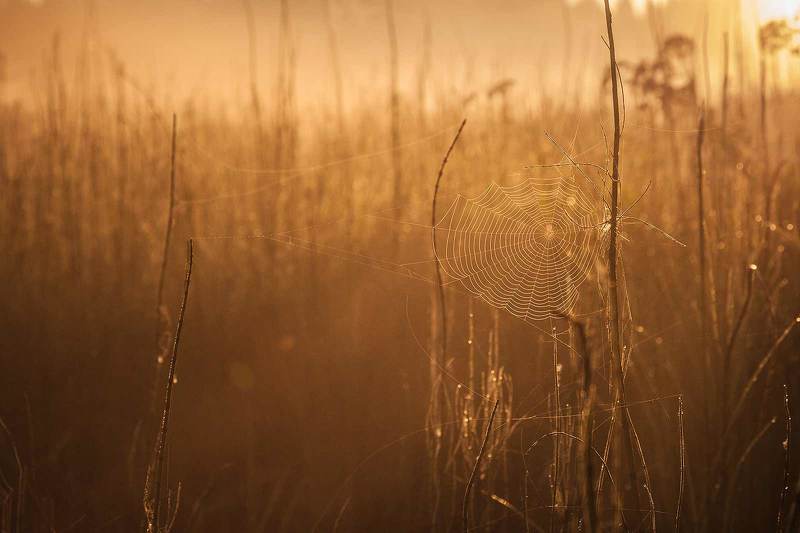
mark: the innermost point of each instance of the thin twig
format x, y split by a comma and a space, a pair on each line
683, 465
465, 504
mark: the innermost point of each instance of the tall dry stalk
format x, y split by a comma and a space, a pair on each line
701, 261
438, 263
613, 291
589, 502
153, 499
439, 360
615, 326
556, 414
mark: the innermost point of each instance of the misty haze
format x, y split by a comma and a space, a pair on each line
399, 265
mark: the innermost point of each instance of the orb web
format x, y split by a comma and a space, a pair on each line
525, 248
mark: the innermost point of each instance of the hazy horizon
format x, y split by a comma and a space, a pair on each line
200, 48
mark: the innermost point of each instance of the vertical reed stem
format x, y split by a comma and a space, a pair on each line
162, 433
439, 283
613, 293
589, 501
613, 284
682, 450
437, 368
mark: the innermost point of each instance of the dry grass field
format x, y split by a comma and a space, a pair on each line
429, 306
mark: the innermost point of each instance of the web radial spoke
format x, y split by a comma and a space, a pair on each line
526, 247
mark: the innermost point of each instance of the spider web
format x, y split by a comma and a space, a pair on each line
525, 248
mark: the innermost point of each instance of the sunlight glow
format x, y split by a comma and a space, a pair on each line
776, 9
767, 9
640, 6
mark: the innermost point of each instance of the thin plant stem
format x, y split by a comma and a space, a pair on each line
557, 428
162, 433
787, 443
589, 500
162, 318
615, 326
706, 375
679, 506
439, 283
613, 294
439, 360
475, 468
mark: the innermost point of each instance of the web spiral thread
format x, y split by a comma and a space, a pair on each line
525, 248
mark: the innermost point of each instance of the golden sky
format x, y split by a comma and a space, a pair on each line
200, 47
